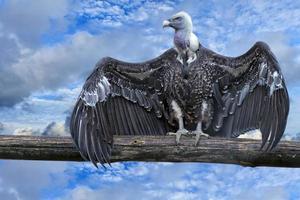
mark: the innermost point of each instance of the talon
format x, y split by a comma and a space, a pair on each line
198, 135
197, 139
178, 134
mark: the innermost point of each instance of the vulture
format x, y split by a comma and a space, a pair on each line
185, 41
189, 89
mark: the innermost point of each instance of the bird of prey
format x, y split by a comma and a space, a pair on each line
185, 41
216, 95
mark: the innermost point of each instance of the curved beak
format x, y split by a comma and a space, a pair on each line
166, 23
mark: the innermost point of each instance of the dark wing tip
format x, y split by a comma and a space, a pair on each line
89, 130
281, 110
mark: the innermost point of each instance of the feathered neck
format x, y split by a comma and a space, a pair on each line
183, 32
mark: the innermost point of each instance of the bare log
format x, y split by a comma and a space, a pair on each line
243, 152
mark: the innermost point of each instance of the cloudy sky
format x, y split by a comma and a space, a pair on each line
48, 48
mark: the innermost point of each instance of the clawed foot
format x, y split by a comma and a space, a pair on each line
178, 134
198, 135
186, 132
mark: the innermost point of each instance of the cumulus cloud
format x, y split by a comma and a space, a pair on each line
83, 192
26, 179
133, 180
255, 135
68, 120
231, 19
39, 109
26, 131
29, 20
279, 44
1, 127
182, 181
295, 137
22, 24
274, 193
50, 68
10, 52
114, 14
55, 129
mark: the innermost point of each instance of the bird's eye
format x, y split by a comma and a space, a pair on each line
177, 18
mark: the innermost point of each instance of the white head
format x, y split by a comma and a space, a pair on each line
180, 21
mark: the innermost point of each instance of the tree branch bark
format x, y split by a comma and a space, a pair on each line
243, 152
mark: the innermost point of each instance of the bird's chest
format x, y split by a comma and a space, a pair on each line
194, 88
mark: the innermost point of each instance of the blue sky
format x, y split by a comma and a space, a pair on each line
49, 47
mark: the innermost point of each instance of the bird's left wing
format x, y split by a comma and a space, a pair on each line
250, 93
121, 98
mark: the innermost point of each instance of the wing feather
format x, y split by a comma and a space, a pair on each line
121, 98
255, 97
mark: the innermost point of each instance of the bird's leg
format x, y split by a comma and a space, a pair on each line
180, 131
198, 132
178, 115
191, 57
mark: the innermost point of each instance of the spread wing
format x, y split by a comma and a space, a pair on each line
122, 98
250, 93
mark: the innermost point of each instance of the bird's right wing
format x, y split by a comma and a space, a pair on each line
251, 94
122, 98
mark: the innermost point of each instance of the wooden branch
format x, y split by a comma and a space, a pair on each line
156, 148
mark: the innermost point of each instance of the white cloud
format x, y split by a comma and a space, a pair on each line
279, 44
161, 181
274, 193
56, 129
82, 193
38, 110
255, 134
26, 179
218, 23
25, 131
1, 127
122, 14
52, 67
22, 25
28, 20
188, 181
